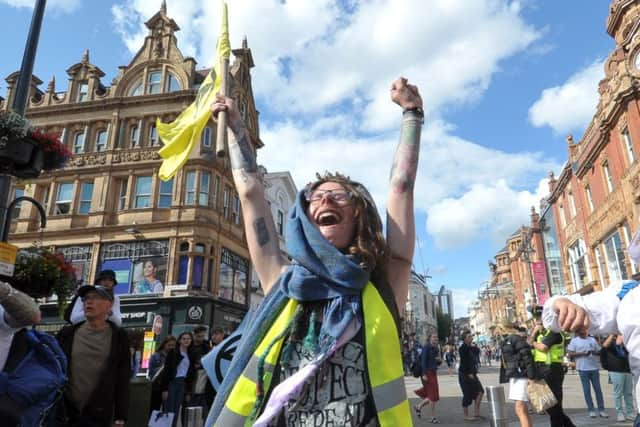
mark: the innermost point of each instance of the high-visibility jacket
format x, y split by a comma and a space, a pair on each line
383, 358
555, 354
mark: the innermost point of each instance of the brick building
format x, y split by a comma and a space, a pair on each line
595, 198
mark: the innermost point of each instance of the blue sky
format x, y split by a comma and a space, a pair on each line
503, 83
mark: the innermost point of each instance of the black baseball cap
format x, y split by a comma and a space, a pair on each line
107, 274
100, 290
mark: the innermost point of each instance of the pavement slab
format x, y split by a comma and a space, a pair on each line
449, 409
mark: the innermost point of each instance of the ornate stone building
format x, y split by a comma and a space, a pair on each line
109, 209
518, 276
595, 198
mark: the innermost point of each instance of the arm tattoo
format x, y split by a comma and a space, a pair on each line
19, 308
405, 162
260, 227
240, 153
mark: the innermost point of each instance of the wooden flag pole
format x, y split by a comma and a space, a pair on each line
221, 134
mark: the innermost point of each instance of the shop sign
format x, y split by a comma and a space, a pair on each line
195, 313
137, 316
8, 253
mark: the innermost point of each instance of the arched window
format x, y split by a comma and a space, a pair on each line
101, 140
173, 84
136, 89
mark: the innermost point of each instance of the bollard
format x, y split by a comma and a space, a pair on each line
193, 416
497, 406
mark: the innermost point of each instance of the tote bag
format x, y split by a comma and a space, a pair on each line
540, 395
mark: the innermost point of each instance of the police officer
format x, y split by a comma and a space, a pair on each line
548, 355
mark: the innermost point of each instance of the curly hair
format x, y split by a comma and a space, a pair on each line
369, 244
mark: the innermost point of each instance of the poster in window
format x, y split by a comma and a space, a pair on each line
122, 268
240, 286
149, 275
226, 281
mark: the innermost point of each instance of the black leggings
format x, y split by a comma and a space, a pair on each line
554, 376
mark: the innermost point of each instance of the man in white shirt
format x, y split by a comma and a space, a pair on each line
585, 350
107, 279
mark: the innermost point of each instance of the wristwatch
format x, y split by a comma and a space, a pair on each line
418, 111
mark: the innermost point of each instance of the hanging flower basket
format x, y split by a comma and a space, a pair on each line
41, 273
25, 151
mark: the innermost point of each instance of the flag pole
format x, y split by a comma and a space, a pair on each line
221, 134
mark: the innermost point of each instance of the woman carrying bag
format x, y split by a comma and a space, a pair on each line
517, 368
178, 375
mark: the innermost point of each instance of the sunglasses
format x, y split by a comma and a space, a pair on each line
340, 197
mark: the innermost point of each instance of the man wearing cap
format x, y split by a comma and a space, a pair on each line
106, 279
98, 364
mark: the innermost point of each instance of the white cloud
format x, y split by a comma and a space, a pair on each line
462, 298
66, 6
323, 74
335, 57
571, 105
492, 210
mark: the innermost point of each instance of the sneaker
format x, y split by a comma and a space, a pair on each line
592, 414
603, 414
621, 418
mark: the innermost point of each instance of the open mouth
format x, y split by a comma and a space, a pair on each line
327, 218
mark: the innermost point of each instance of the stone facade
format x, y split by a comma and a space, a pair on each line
280, 193
596, 197
420, 309
109, 209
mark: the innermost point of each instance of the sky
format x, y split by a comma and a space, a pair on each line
503, 83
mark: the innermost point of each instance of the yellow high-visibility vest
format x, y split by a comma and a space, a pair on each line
384, 366
555, 354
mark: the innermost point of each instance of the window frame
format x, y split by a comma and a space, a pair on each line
204, 188
608, 178
100, 132
141, 196
82, 201
59, 201
151, 85
190, 188
83, 96
162, 195
78, 147
628, 144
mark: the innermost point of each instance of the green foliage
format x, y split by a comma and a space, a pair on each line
445, 322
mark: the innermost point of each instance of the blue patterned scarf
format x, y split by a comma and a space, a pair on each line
319, 272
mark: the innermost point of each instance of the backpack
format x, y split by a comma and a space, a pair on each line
34, 376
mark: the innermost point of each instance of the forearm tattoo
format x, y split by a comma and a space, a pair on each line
405, 161
262, 232
19, 308
240, 153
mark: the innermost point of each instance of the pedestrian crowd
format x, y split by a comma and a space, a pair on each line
82, 377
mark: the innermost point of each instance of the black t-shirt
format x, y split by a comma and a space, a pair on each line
338, 394
468, 363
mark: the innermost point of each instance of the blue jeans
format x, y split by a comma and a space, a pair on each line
174, 398
592, 377
623, 388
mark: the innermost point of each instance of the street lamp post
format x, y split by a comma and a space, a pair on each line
20, 99
527, 251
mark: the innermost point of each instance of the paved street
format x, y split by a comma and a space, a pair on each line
450, 411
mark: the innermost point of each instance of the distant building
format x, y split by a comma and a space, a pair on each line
420, 309
444, 300
280, 194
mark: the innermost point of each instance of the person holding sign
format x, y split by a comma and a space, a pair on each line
335, 307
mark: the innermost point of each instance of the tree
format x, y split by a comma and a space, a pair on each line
444, 325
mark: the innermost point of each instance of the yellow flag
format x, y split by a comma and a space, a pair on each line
180, 136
